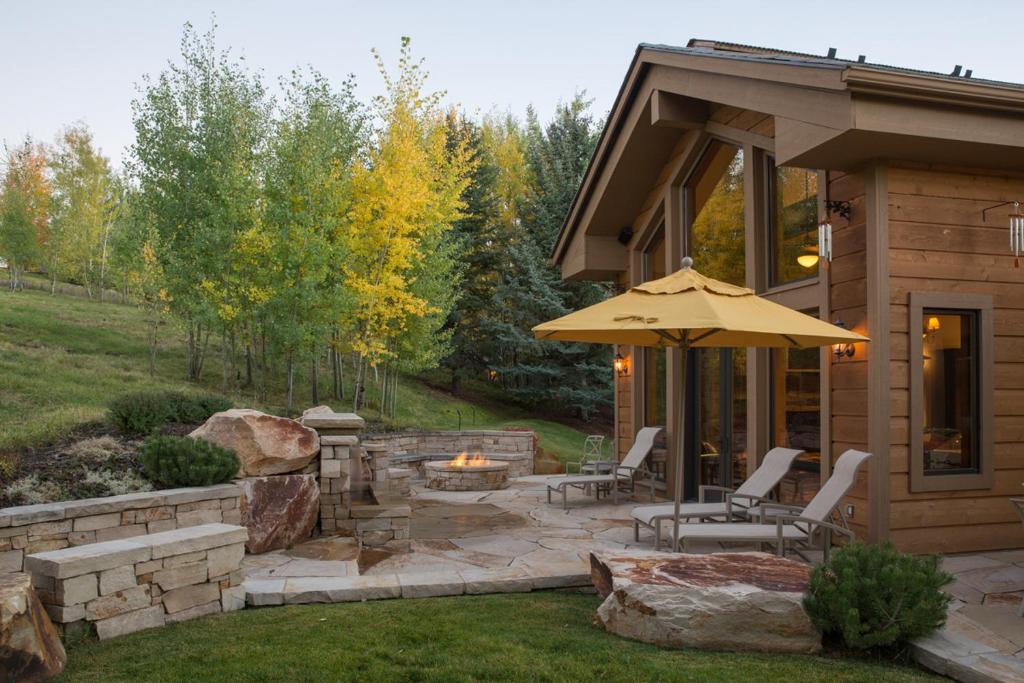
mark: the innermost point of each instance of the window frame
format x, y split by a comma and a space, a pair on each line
981, 307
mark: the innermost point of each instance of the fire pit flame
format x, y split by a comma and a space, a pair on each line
463, 460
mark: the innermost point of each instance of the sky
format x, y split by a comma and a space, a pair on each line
66, 62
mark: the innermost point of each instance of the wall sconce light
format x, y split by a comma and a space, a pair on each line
844, 350
1016, 229
621, 365
933, 325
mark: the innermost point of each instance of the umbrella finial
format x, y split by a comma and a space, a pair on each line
687, 263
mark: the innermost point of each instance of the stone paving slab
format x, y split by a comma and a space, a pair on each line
261, 592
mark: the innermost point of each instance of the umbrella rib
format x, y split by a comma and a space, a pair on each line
665, 335
705, 335
792, 341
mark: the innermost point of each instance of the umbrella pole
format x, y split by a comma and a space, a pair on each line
680, 443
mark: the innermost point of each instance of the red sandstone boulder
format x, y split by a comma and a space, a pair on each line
265, 444
722, 601
279, 511
30, 649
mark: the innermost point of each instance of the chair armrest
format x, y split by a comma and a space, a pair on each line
730, 497
711, 487
780, 520
579, 466
768, 506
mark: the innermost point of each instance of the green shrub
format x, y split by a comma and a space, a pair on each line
142, 412
182, 461
875, 596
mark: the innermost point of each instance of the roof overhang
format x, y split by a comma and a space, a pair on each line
829, 114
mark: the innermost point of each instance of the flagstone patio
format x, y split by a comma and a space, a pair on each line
458, 538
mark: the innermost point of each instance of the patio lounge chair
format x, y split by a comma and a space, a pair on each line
1019, 504
629, 471
792, 526
754, 490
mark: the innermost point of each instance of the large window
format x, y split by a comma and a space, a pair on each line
714, 207
796, 418
950, 391
714, 236
792, 223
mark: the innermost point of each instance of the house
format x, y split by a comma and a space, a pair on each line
877, 197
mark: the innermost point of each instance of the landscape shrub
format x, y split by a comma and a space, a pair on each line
142, 412
874, 596
183, 461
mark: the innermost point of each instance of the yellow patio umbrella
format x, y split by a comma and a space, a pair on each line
687, 310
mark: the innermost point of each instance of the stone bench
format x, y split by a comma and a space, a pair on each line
131, 584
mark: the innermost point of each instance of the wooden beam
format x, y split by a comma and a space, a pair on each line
676, 111
876, 186
793, 138
740, 136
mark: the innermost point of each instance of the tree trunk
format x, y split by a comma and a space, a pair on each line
290, 370
315, 378
357, 393
336, 392
155, 327
225, 362
53, 283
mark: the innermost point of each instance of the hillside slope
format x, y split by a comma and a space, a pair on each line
63, 358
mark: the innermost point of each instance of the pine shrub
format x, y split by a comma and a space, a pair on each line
182, 461
143, 412
873, 596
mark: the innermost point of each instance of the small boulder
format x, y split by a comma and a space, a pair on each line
279, 511
722, 601
265, 444
30, 649
316, 410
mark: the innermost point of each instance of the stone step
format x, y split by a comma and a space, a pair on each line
78, 560
263, 591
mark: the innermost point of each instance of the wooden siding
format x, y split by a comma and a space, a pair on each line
848, 301
939, 243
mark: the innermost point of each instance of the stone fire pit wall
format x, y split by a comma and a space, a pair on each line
413, 449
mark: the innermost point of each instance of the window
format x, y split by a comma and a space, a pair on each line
713, 200
792, 223
950, 368
796, 418
715, 237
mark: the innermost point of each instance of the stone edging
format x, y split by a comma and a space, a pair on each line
965, 660
261, 592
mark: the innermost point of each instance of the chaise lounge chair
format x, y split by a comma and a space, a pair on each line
629, 471
793, 527
751, 492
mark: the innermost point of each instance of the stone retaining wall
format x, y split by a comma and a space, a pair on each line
29, 529
122, 586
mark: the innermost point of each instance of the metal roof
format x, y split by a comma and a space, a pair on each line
754, 53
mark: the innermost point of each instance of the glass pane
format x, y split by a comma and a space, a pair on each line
739, 416
654, 377
796, 419
950, 392
794, 224
723, 437
716, 236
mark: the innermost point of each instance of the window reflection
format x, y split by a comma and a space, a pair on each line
793, 223
950, 376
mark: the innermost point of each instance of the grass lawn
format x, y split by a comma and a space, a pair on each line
522, 637
63, 358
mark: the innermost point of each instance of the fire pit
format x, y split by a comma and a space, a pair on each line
466, 474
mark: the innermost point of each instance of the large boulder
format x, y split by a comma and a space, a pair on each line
265, 444
279, 511
723, 601
30, 649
